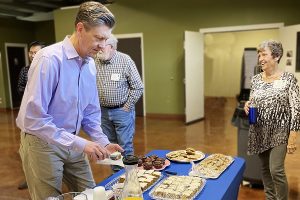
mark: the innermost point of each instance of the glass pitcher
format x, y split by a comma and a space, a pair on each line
132, 189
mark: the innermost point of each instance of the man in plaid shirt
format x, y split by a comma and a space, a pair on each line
34, 47
119, 88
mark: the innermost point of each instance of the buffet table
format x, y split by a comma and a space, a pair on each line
226, 187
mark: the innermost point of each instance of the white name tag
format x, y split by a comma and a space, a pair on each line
279, 84
115, 77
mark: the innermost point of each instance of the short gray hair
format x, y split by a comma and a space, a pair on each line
113, 41
274, 46
93, 13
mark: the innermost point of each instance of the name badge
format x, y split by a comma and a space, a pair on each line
115, 77
279, 84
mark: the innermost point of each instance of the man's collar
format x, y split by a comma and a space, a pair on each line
70, 50
112, 60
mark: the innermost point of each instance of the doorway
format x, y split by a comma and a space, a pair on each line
132, 44
191, 115
223, 59
223, 55
16, 58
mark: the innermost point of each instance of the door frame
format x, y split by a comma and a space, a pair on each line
25, 47
241, 28
137, 35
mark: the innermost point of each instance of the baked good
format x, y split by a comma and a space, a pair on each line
140, 162
148, 159
146, 178
157, 164
162, 160
143, 158
178, 187
147, 165
153, 157
115, 156
190, 151
150, 162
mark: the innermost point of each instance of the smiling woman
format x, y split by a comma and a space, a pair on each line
277, 98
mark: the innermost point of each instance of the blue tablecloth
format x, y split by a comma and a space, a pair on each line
226, 187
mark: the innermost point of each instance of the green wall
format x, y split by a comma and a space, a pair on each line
12, 31
44, 31
163, 24
16, 31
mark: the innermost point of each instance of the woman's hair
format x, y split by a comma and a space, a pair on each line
93, 13
274, 46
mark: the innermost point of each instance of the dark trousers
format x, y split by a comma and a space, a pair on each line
273, 173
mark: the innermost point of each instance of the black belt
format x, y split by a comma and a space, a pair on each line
114, 107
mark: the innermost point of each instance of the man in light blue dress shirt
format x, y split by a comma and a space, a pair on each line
60, 99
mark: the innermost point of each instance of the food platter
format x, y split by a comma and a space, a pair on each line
184, 156
212, 166
178, 188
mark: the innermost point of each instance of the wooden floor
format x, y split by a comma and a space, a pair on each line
215, 134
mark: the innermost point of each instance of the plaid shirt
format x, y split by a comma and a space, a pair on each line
23, 77
118, 81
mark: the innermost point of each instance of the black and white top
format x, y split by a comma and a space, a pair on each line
278, 106
23, 77
118, 81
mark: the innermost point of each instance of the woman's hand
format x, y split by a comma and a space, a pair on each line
246, 107
291, 147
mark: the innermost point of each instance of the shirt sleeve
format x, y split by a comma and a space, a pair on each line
91, 123
294, 101
135, 84
21, 81
42, 81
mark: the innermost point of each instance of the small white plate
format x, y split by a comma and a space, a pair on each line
108, 161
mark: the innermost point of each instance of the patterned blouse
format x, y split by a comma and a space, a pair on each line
278, 107
23, 77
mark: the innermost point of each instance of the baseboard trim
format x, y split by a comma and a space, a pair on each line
195, 121
180, 117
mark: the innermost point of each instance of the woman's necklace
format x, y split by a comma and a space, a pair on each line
272, 77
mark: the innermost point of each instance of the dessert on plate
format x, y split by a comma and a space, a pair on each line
178, 188
115, 156
213, 166
187, 155
151, 162
146, 178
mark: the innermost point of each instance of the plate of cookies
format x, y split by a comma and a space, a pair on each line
152, 162
185, 156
